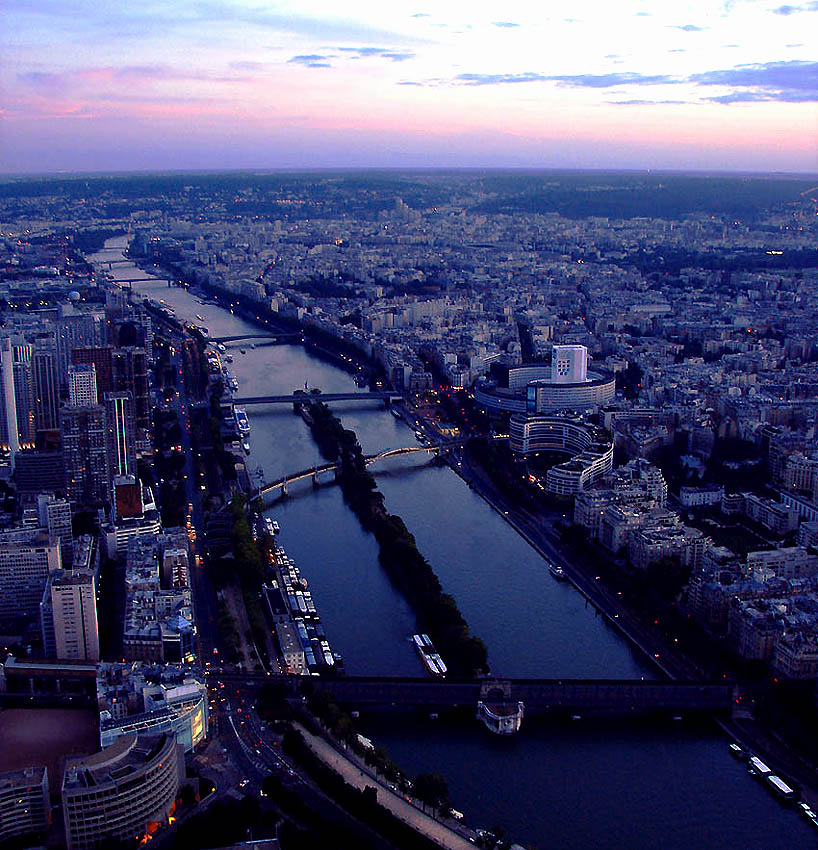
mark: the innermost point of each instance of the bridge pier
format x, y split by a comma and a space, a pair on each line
315, 482
284, 492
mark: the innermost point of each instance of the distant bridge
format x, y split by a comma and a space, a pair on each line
301, 397
275, 337
314, 472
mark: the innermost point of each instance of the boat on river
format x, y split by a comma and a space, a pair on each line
558, 572
242, 422
432, 661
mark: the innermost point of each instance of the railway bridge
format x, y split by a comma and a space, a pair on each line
538, 695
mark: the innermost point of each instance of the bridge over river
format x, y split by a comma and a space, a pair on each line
377, 693
300, 397
315, 472
572, 695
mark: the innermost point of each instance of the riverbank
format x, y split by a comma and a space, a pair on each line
317, 341
671, 663
358, 776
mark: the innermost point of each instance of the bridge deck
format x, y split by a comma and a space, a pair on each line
537, 694
293, 399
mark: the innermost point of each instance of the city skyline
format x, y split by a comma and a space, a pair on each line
221, 85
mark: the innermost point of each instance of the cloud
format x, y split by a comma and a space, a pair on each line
786, 82
247, 66
789, 82
504, 24
788, 10
499, 79
145, 20
310, 60
130, 74
592, 81
42, 80
648, 102
687, 28
380, 52
219, 11
750, 96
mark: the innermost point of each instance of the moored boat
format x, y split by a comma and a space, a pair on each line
242, 422
558, 572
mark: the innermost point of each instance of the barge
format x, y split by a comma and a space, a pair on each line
432, 661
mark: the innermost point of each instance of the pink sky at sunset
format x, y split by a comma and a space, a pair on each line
710, 85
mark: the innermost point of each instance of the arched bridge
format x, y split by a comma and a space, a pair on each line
315, 471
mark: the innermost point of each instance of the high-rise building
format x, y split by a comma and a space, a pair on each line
130, 370
68, 611
102, 359
26, 558
119, 411
39, 471
569, 364
85, 455
9, 435
76, 329
25, 808
23, 391
54, 515
82, 385
45, 391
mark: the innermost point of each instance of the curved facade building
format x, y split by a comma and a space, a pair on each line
125, 792
565, 384
180, 710
590, 447
596, 390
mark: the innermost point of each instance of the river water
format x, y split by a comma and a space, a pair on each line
574, 785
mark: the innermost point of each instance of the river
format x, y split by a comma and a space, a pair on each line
574, 785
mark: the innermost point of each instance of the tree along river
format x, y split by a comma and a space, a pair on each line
593, 782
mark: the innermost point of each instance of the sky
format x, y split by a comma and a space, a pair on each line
90, 85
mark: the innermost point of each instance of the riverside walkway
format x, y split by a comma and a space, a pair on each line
358, 777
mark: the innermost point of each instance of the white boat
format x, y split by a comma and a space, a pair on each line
558, 572
242, 422
780, 787
758, 767
429, 656
246, 446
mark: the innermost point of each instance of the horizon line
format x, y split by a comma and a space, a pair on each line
428, 169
